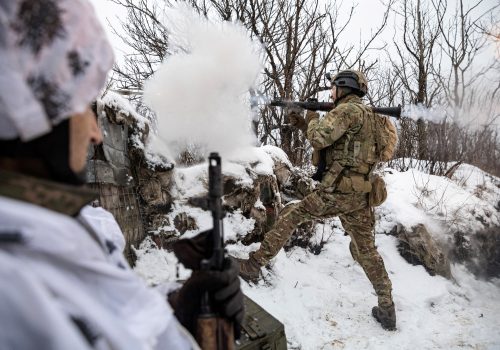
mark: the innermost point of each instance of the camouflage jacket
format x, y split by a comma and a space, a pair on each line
59, 197
347, 133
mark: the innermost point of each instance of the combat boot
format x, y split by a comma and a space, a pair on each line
386, 316
249, 269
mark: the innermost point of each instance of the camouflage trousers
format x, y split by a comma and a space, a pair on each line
358, 221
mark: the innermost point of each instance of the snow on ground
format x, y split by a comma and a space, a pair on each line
468, 202
192, 181
325, 300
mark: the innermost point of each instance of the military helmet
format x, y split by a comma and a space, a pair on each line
350, 78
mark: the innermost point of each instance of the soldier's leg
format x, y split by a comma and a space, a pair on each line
359, 225
317, 205
288, 220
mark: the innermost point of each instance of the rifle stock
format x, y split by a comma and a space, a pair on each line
213, 332
314, 105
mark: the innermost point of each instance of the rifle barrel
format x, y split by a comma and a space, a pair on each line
215, 193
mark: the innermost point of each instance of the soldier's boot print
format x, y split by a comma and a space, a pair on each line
249, 269
386, 316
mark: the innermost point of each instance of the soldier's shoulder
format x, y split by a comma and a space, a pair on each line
348, 110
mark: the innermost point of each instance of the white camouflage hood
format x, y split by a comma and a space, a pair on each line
54, 57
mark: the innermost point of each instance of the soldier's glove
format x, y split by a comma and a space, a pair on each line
192, 251
310, 115
224, 291
295, 117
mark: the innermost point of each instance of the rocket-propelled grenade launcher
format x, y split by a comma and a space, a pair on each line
315, 105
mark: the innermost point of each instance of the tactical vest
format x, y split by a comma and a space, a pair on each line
356, 150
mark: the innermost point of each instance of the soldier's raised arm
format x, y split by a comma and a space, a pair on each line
323, 132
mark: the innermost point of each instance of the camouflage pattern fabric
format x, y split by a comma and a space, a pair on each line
358, 221
347, 131
65, 199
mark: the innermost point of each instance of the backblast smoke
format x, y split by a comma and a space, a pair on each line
200, 92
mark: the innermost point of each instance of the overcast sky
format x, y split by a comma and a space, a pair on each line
367, 17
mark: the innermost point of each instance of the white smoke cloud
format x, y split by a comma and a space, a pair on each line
198, 93
470, 117
432, 114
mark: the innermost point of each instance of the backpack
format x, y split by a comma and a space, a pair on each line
360, 150
386, 137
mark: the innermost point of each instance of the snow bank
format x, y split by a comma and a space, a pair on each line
142, 138
468, 202
123, 106
192, 181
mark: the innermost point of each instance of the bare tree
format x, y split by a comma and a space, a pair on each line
416, 58
416, 53
468, 90
436, 52
462, 42
300, 40
385, 87
147, 37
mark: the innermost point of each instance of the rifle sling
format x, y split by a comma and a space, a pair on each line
320, 170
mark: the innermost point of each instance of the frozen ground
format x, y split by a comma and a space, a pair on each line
325, 300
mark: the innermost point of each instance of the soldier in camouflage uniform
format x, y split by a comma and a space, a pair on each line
347, 139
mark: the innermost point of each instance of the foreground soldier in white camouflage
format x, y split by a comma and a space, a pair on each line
65, 282
348, 136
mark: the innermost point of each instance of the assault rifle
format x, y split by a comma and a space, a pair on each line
214, 332
315, 105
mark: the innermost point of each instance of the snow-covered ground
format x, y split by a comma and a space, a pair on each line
325, 300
